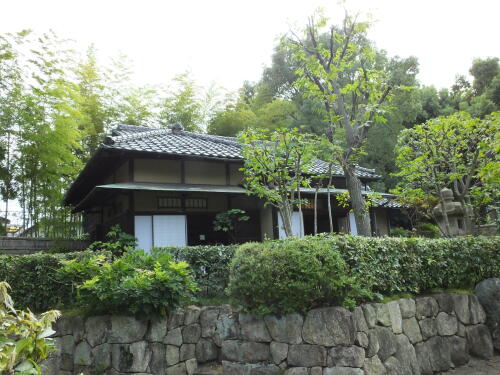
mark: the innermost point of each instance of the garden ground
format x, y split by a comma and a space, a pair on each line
478, 367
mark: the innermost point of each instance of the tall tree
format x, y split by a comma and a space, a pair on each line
92, 91
10, 102
339, 66
276, 164
41, 125
232, 120
458, 152
183, 104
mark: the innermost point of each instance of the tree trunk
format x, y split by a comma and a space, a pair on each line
361, 214
329, 197
7, 194
316, 209
286, 212
301, 218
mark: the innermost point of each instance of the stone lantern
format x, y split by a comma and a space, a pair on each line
454, 211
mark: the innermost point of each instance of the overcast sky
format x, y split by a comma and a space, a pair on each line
227, 42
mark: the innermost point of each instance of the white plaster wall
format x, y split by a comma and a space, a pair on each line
157, 170
202, 172
235, 175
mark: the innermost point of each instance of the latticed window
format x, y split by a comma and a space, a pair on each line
169, 202
196, 203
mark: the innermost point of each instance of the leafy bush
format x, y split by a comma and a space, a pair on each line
415, 265
118, 242
400, 232
428, 230
210, 266
291, 275
24, 337
137, 283
226, 221
298, 274
35, 281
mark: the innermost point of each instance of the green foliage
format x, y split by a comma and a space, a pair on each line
400, 232
291, 275
428, 230
24, 337
209, 264
183, 105
421, 229
416, 265
136, 283
455, 152
118, 242
261, 112
36, 282
226, 221
232, 120
338, 66
276, 164
298, 274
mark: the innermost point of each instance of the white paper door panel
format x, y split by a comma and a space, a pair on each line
352, 224
144, 232
169, 230
297, 228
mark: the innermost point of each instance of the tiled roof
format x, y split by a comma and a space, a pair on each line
389, 202
180, 142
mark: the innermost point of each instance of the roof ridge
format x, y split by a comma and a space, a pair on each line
212, 138
364, 168
110, 140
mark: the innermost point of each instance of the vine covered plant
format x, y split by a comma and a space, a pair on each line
24, 337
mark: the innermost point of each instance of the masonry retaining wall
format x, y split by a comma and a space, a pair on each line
22, 246
423, 336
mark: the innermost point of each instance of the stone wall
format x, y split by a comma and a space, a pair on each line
23, 246
425, 335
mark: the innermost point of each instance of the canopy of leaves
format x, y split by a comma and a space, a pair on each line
457, 151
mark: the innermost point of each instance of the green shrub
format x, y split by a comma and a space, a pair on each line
24, 337
136, 283
428, 230
291, 275
35, 281
209, 264
400, 232
298, 274
117, 242
416, 265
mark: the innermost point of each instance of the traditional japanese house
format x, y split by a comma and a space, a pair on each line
166, 185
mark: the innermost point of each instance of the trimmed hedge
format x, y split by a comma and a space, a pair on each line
35, 281
291, 275
209, 264
416, 265
272, 277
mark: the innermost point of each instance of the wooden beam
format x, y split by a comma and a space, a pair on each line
228, 174
131, 170
183, 172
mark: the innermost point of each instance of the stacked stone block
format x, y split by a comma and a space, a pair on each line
419, 336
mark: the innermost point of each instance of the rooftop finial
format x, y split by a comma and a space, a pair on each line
177, 128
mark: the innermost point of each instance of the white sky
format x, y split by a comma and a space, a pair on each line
229, 41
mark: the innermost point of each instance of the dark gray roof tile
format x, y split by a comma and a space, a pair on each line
167, 141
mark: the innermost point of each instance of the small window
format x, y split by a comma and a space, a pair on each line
169, 202
196, 203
